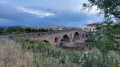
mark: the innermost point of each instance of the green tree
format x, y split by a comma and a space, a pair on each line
43, 30
28, 30
50, 29
14, 30
1, 31
105, 36
110, 8
34, 30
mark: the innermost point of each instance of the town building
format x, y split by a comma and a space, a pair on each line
89, 27
66, 28
51, 27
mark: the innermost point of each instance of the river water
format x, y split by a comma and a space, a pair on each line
79, 47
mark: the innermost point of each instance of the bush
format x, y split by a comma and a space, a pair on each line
14, 30
29, 53
1, 31
45, 53
12, 55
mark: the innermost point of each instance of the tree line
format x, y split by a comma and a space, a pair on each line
20, 30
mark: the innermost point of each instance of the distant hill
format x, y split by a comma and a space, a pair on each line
9, 26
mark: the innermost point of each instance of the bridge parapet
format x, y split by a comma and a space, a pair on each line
28, 35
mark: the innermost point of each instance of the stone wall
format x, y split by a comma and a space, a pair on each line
52, 36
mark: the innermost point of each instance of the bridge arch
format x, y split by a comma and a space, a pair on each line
86, 36
76, 36
56, 40
64, 39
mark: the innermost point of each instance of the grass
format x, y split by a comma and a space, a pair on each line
27, 53
12, 55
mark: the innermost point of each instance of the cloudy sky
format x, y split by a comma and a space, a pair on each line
45, 13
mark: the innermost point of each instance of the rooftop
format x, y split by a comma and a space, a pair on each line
92, 24
50, 27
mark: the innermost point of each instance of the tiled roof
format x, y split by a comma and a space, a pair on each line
92, 24
51, 27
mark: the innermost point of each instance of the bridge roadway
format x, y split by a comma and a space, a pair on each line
70, 36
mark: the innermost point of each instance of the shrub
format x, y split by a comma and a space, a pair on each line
46, 55
12, 55
1, 31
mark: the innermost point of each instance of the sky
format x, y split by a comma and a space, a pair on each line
34, 13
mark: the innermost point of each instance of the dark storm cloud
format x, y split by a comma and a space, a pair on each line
10, 15
7, 11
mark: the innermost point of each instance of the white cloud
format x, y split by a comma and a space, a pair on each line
90, 21
38, 13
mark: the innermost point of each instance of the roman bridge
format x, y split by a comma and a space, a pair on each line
70, 37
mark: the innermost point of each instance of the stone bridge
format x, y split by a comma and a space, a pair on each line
54, 37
